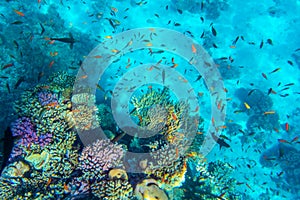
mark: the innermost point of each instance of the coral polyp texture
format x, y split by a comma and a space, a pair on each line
97, 159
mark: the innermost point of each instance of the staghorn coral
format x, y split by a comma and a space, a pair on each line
99, 157
7, 188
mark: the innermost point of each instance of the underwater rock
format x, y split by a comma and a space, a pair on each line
266, 122
258, 101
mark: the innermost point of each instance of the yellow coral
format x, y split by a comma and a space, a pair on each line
117, 174
148, 189
38, 160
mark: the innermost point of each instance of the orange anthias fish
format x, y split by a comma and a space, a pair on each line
19, 13
283, 141
194, 50
287, 127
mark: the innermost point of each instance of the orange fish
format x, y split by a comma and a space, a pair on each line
283, 141
149, 44
48, 182
172, 59
114, 9
51, 42
52, 104
196, 109
174, 65
66, 187
213, 121
140, 118
108, 37
51, 63
84, 77
232, 47
194, 50
98, 56
287, 127
177, 152
174, 116
19, 13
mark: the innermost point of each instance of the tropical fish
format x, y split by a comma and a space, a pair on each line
290, 62
17, 22
221, 142
163, 76
19, 13
269, 41
69, 40
7, 86
213, 30
269, 112
194, 50
287, 127
247, 105
261, 44
264, 75
7, 66
283, 141
275, 70
20, 80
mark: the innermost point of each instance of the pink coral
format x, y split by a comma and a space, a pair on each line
101, 156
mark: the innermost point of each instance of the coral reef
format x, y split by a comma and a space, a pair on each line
149, 189
47, 98
99, 157
115, 187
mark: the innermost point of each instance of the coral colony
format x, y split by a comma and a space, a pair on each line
48, 160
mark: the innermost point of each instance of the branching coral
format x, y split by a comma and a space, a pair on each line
115, 188
99, 157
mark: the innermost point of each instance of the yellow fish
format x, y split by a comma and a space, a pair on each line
247, 105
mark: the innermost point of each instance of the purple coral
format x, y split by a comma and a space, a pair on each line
25, 129
101, 156
46, 97
45, 139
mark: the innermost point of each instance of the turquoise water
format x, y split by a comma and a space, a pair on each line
186, 99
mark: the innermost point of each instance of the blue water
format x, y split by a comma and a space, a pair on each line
235, 64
